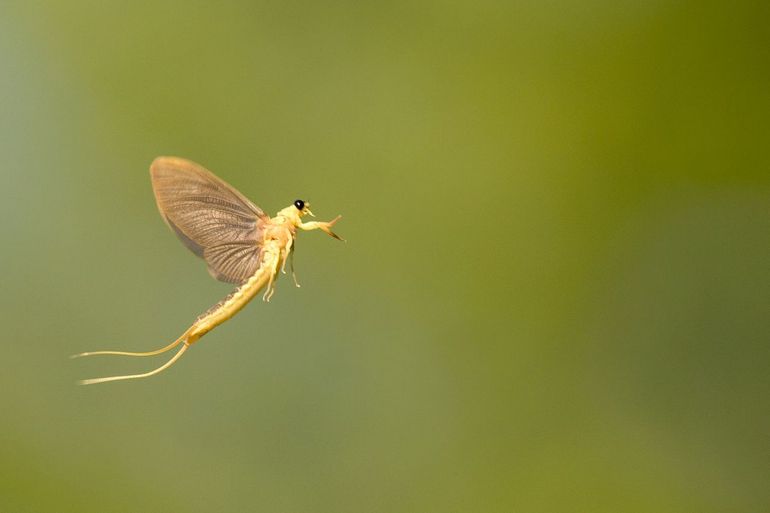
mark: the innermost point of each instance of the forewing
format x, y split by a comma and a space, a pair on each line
210, 217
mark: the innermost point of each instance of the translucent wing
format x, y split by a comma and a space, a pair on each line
210, 217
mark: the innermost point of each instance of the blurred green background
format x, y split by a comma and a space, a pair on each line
555, 294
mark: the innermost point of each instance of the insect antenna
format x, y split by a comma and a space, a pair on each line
160, 369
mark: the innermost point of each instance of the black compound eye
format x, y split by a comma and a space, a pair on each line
299, 204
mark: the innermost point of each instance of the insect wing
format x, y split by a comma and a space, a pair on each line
233, 262
210, 217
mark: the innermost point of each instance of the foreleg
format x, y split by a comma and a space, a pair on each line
323, 226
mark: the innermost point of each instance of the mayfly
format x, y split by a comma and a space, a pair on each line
238, 241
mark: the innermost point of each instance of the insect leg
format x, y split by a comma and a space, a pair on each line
323, 226
291, 265
273, 270
286, 252
270, 289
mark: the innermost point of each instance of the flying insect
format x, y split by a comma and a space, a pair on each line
238, 241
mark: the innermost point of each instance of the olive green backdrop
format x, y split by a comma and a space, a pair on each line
555, 294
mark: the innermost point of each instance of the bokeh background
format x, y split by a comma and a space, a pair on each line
555, 294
